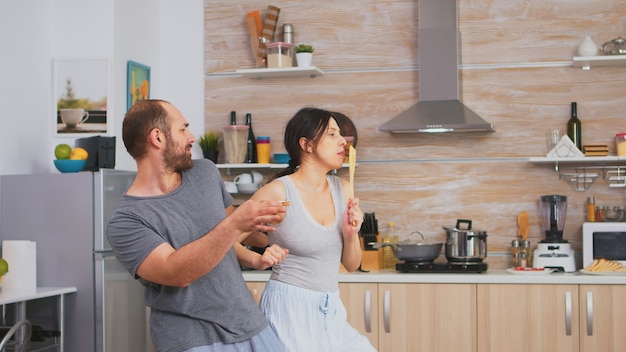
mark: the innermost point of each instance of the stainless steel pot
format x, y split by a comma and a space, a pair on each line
464, 245
414, 250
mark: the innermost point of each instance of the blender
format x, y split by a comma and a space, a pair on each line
553, 251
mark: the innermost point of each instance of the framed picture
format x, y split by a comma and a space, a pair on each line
82, 91
138, 87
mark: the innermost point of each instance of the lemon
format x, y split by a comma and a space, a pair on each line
63, 151
4, 267
79, 153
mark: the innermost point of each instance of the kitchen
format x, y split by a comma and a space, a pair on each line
518, 77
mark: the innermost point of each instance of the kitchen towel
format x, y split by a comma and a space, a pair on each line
22, 259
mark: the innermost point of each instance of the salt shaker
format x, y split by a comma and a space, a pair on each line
526, 255
515, 253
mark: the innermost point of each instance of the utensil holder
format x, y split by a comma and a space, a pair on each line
371, 260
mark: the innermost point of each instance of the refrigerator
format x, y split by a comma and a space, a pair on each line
66, 215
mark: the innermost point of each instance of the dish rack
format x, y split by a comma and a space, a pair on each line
581, 178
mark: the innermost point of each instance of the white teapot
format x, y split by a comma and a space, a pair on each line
253, 177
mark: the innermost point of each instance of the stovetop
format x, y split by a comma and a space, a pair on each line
451, 267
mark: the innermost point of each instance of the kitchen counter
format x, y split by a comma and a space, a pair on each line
495, 276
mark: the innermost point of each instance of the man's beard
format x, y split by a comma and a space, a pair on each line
176, 161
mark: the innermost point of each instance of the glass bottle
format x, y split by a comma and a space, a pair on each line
233, 117
251, 155
591, 209
389, 259
574, 127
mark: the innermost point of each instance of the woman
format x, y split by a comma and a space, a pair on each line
301, 299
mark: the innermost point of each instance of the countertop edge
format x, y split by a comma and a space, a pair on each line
495, 276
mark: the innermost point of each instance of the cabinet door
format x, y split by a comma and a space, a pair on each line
256, 289
528, 318
603, 318
427, 317
361, 302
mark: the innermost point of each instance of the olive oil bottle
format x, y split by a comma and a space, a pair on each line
389, 258
574, 127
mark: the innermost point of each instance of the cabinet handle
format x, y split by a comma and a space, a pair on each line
386, 309
589, 314
568, 313
368, 311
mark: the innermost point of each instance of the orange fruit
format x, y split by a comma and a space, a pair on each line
79, 153
63, 151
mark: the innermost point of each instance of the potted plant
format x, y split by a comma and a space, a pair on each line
208, 143
304, 55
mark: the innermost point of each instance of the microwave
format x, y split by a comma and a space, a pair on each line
604, 240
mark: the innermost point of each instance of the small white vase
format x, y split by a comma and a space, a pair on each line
304, 59
587, 48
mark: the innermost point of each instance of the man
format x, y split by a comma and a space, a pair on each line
174, 230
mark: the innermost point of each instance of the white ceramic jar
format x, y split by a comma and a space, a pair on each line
587, 47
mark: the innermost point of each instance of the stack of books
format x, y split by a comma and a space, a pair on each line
596, 149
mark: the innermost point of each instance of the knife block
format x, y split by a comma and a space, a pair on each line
371, 260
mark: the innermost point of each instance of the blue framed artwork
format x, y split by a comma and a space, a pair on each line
138, 85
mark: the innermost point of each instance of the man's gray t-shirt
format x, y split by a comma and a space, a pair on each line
215, 308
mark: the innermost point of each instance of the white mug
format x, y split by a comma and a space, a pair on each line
231, 187
243, 178
72, 117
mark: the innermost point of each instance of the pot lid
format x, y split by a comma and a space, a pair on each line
458, 227
421, 241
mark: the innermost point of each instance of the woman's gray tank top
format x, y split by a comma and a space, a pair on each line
314, 249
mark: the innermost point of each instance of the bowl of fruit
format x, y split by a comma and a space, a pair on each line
69, 159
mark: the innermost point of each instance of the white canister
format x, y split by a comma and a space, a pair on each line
587, 47
22, 259
279, 54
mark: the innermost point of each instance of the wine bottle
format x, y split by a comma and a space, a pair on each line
233, 117
574, 128
251, 156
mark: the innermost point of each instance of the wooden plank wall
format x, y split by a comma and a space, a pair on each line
517, 74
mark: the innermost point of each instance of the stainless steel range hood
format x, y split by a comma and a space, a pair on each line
439, 108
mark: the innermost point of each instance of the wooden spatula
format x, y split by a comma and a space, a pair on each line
352, 167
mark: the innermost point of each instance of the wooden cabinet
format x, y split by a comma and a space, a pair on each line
413, 317
602, 318
527, 318
398, 317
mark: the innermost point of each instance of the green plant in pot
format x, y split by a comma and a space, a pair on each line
304, 55
208, 143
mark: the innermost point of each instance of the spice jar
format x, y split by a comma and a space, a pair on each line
515, 253
600, 211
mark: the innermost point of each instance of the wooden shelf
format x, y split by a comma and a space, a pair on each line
584, 159
586, 62
257, 166
260, 73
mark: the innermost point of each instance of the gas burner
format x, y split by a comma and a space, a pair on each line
450, 267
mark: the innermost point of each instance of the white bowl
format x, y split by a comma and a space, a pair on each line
247, 187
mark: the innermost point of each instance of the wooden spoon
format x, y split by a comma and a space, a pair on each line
523, 228
352, 167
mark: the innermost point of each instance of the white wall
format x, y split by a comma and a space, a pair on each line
165, 35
